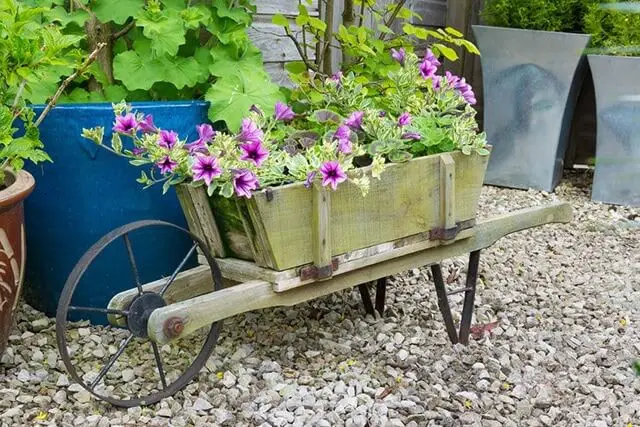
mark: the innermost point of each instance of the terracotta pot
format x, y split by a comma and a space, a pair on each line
12, 247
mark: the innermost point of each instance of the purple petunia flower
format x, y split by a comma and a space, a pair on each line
126, 124
382, 113
354, 121
284, 112
332, 174
437, 82
337, 76
310, 177
205, 132
343, 132
429, 66
249, 132
429, 56
146, 125
167, 139
206, 168
399, 55
255, 152
413, 136
344, 146
404, 119
166, 165
138, 151
462, 87
244, 181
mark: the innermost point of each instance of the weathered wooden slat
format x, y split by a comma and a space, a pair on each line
196, 208
278, 73
206, 309
321, 230
272, 41
404, 202
447, 190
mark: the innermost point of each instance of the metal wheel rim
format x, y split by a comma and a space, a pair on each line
67, 294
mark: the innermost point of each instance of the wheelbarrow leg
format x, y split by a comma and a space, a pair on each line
469, 298
381, 291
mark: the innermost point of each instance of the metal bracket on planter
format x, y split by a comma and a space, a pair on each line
442, 233
312, 272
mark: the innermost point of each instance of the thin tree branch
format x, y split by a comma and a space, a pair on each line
18, 94
123, 31
361, 17
300, 50
90, 59
392, 18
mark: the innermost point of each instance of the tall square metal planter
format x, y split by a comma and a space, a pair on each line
531, 83
617, 173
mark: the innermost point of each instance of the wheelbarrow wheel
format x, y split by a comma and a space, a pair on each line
119, 363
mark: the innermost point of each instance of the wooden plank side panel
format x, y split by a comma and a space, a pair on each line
406, 201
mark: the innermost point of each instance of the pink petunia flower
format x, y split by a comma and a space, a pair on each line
404, 119
167, 139
126, 124
146, 125
166, 165
354, 121
332, 174
255, 152
249, 132
206, 168
399, 55
283, 112
244, 182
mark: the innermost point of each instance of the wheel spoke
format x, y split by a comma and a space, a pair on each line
98, 310
156, 353
175, 273
108, 366
132, 261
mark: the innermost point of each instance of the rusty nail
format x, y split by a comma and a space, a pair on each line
173, 327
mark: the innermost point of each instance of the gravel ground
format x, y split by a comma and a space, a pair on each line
566, 299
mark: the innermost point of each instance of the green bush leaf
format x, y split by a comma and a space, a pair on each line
232, 95
166, 31
446, 51
117, 11
281, 20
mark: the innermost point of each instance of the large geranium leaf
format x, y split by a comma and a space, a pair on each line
137, 72
232, 95
166, 31
229, 59
237, 14
117, 11
182, 72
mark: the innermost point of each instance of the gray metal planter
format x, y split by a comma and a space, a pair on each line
617, 175
529, 97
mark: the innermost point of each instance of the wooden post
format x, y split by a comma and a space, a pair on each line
447, 191
195, 204
321, 231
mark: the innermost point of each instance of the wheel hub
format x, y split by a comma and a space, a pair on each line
140, 310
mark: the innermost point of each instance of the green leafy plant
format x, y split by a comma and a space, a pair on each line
543, 15
614, 27
364, 48
165, 50
29, 52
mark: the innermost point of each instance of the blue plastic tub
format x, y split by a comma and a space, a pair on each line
89, 191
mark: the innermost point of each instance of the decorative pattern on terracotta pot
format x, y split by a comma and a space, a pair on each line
12, 248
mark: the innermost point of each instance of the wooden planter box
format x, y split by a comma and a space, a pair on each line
432, 197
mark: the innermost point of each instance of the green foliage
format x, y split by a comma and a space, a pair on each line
544, 15
32, 57
163, 50
366, 50
614, 27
